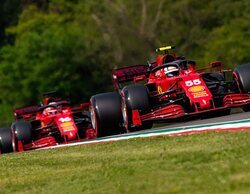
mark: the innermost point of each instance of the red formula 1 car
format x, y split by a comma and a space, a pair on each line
169, 89
51, 123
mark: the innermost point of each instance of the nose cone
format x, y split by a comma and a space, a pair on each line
205, 104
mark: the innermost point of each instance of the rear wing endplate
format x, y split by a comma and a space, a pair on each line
25, 111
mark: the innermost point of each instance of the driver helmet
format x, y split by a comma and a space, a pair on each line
171, 71
50, 110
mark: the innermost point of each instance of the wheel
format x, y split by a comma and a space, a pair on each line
241, 74
105, 111
23, 131
135, 97
217, 76
223, 112
215, 83
246, 108
6, 140
212, 80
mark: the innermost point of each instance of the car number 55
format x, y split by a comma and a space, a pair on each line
193, 82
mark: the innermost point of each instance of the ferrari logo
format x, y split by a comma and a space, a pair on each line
159, 90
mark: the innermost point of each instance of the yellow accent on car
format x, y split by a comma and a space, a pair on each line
200, 94
66, 124
159, 90
165, 48
196, 88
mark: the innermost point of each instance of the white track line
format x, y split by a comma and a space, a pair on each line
228, 126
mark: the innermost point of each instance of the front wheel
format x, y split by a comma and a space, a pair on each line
135, 97
241, 75
23, 131
242, 78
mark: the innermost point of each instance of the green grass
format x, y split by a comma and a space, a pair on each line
201, 163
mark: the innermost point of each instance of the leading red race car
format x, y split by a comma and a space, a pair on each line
168, 89
51, 123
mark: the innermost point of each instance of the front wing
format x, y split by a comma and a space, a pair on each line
176, 112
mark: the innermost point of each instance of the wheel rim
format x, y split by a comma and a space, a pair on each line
13, 140
93, 118
124, 114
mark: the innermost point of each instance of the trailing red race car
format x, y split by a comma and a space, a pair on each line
51, 123
168, 89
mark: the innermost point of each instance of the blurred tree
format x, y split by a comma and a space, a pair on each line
9, 11
228, 43
71, 46
130, 28
52, 52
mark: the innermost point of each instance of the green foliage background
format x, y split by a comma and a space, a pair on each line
71, 46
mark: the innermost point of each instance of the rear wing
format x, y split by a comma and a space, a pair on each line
126, 74
26, 112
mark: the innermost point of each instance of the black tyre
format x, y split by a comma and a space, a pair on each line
243, 77
106, 117
215, 81
6, 140
222, 113
135, 97
23, 131
246, 108
212, 80
217, 76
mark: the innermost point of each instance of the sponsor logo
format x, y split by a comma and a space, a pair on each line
194, 89
200, 94
67, 126
159, 90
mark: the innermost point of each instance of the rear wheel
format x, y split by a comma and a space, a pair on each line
6, 140
214, 82
23, 131
246, 108
241, 75
106, 117
135, 97
223, 112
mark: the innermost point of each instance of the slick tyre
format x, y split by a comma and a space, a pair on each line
246, 108
105, 111
6, 140
212, 80
23, 131
135, 97
242, 76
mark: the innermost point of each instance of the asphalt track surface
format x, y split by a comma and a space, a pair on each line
180, 128
236, 115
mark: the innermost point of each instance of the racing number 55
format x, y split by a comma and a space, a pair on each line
193, 82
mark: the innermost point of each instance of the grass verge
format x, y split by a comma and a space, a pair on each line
201, 163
